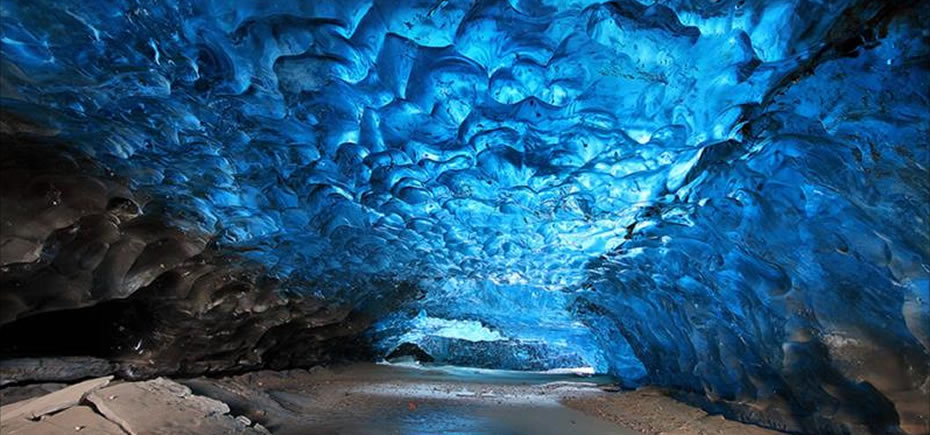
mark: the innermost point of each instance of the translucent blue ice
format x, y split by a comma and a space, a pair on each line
688, 191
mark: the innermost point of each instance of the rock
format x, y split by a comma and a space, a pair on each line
161, 406
76, 420
61, 399
57, 369
13, 394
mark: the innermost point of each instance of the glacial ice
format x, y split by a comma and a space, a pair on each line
731, 197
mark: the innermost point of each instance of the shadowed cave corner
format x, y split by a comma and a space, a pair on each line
97, 281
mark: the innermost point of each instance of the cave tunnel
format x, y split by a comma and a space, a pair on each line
270, 212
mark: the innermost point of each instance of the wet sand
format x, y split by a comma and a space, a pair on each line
359, 399
380, 399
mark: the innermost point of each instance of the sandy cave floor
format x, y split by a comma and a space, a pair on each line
367, 399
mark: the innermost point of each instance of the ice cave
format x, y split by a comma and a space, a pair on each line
465, 216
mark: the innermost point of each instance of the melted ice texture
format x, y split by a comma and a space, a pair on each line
577, 173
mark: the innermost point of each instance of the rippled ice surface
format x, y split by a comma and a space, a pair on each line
488, 141
636, 188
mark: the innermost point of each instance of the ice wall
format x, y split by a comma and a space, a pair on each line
727, 196
791, 268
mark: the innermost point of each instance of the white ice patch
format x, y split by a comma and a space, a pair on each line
470, 330
580, 371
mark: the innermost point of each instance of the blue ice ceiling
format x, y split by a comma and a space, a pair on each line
484, 141
624, 185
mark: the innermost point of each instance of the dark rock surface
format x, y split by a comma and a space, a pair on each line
58, 369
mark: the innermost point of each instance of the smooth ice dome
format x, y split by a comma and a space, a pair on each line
727, 197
